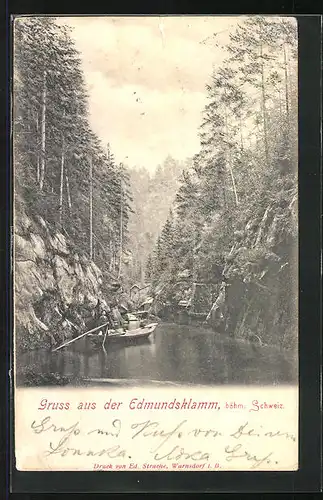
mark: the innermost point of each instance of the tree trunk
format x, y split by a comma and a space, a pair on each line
68, 193
91, 208
111, 252
234, 185
114, 258
37, 169
61, 184
142, 273
229, 159
241, 135
37, 153
264, 111
43, 133
280, 105
121, 231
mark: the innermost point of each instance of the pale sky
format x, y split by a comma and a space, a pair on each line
146, 80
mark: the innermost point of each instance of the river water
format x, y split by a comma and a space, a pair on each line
173, 354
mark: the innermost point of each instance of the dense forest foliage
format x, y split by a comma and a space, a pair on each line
224, 222
233, 226
153, 195
62, 171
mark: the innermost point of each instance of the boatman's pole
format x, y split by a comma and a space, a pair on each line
80, 336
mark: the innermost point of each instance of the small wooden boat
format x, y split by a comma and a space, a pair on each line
123, 336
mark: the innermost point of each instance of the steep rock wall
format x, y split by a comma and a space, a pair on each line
52, 283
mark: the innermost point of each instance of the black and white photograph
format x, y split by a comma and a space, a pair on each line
155, 173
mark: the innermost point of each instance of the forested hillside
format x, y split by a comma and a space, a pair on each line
216, 233
72, 200
153, 195
233, 225
62, 171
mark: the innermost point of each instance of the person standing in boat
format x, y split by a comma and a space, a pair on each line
106, 317
116, 316
124, 310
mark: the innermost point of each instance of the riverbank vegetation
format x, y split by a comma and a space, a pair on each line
72, 199
234, 220
222, 224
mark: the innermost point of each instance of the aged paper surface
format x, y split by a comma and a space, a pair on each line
155, 243
198, 429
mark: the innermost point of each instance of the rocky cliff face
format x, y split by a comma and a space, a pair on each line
53, 285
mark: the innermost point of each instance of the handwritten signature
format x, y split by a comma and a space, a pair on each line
237, 451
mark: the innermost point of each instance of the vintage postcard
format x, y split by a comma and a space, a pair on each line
155, 257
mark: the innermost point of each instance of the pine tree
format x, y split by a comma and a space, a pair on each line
63, 172
234, 215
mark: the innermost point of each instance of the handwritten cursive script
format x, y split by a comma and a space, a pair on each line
162, 442
237, 451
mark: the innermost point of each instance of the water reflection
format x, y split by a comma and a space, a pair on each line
176, 353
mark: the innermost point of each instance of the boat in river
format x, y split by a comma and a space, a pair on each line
122, 336
127, 334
